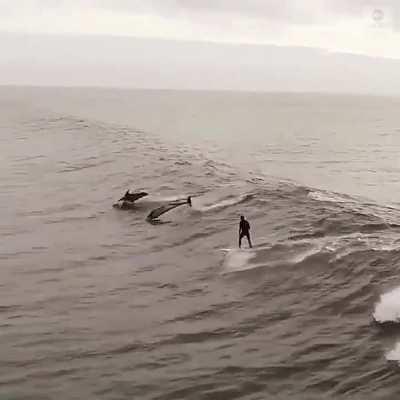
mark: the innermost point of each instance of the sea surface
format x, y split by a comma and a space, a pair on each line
98, 303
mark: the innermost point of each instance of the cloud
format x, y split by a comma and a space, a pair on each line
282, 11
279, 11
357, 26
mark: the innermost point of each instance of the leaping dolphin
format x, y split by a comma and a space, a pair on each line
167, 207
128, 200
132, 196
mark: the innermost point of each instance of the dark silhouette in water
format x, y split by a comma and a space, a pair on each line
132, 196
244, 230
167, 207
127, 202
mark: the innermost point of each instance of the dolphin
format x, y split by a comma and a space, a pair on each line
157, 212
128, 200
132, 196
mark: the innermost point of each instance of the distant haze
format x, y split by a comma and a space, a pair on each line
149, 63
262, 45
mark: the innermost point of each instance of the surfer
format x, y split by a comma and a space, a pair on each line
244, 230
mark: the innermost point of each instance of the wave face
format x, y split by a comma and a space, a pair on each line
96, 303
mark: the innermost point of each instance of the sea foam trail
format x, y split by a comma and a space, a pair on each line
245, 259
321, 195
222, 203
388, 308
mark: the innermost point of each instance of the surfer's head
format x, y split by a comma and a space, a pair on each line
189, 201
241, 217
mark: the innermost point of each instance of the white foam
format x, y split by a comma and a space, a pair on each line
394, 355
329, 197
238, 260
388, 308
305, 254
347, 244
220, 204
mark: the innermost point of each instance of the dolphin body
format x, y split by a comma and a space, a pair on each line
157, 212
128, 200
132, 197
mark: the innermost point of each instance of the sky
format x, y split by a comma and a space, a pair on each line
31, 29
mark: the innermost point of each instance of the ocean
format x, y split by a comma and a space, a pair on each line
98, 303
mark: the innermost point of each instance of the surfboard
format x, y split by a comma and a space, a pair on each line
227, 250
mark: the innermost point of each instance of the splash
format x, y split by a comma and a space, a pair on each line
388, 308
238, 260
394, 355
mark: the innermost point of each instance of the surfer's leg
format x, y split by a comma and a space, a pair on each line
249, 240
240, 241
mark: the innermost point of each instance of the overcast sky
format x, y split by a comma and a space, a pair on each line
362, 27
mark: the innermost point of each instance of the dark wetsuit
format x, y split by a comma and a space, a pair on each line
244, 231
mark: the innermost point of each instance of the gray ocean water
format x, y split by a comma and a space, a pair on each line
96, 303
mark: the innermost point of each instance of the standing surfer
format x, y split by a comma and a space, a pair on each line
244, 230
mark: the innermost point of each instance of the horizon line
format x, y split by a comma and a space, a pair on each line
198, 90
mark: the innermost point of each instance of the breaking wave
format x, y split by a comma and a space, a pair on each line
388, 307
